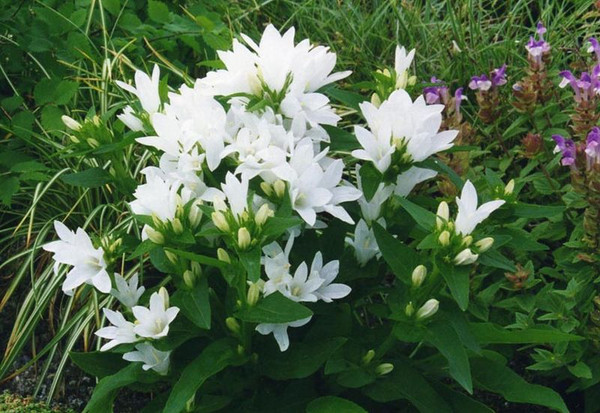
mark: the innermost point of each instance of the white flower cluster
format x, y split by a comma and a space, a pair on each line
304, 286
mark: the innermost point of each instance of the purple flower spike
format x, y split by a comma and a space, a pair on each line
480, 83
540, 30
499, 76
458, 98
568, 149
436, 94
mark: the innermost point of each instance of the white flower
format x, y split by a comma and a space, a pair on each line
152, 358
407, 180
153, 322
121, 331
327, 291
130, 120
468, 214
277, 266
159, 196
146, 89
402, 63
236, 192
401, 124
88, 263
371, 210
302, 288
127, 293
280, 331
364, 243
465, 257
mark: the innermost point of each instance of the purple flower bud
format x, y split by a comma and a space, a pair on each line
568, 149
458, 98
592, 146
540, 30
594, 47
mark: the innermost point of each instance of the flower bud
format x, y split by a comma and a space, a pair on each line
156, 221
74, 139
177, 226
412, 80
93, 142
465, 257
443, 214
96, 120
196, 268
267, 188
233, 325
219, 204
154, 236
171, 257
253, 294
195, 215
71, 123
468, 240
162, 291
375, 100
220, 222
279, 187
243, 238
409, 309
428, 309
418, 275
222, 255
444, 238
384, 368
189, 278
264, 213
368, 357
484, 244
510, 187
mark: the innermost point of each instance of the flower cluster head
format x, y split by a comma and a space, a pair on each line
539, 48
594, 48
389, 80
586, 87
305, 285
567, 148
483, 83
456, 235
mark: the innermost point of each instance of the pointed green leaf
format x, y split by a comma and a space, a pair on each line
401, 258
332, 404
274, 308
442, 335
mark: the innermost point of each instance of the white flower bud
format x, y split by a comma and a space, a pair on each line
189, 279
233, 325
510, 187
171, 257
219, 204
267, 188
162, 291
484, 244
155, 236
468, 240
195, 215
444, 238
375, 100
443, 214
196, 268
220, 222
71, 123
156, 221
418, 275
384, 368
253, 294
465, 257
264, 213
177, 226
93, 142
409, 310
368, 357
222, 255
428, 309
279, 187
243, 238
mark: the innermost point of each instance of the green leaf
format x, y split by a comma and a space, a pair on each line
98, 363
275, 226
350, 99
158, 12
274, 308
442, 335
401, 258
251, 261
497, 378
493, 258
65, 91
370, 178
404, 382
341, 140
457, 279
581, 370
44, 91
424, 218
201, 259
214, 358
488, 333
459, 401
301, 360
108, 387
332, 404
523, 210
195, 304
51, 118
8, 187
90, 178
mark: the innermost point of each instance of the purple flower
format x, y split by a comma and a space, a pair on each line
480, 83
537, 48
568, 149
499, 76
540, 30
594, 47
586, 87
592, 146
436, 94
